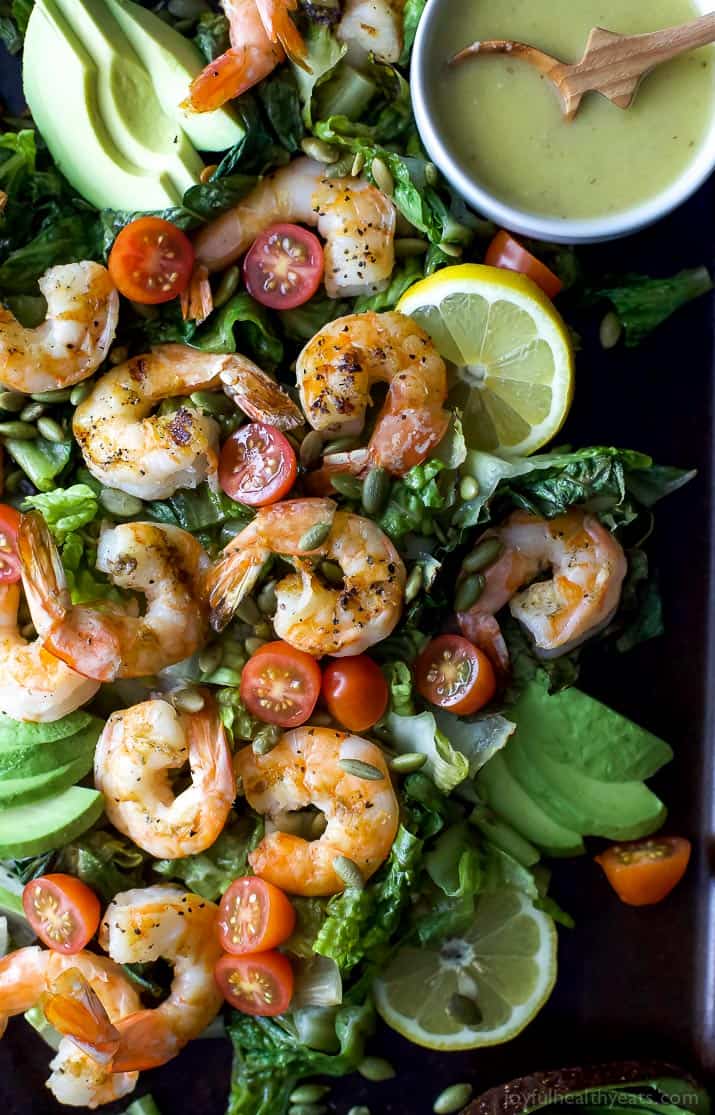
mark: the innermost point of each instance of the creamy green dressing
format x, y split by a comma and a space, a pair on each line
502, 122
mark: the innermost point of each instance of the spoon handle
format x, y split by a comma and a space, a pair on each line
659, 46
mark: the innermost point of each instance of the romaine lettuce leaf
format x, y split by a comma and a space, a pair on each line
242, 325
210, 873
643, 303
65, 509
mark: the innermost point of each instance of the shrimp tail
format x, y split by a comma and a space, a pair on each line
484, 631
280, 28
43, 574
146, 1041
209, 751
74, 1008
222, 80
259, 396
227, 583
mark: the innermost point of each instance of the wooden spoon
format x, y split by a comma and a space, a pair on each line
613, 64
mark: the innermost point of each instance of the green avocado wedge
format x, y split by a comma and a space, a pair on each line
13, 730
40, 826
24, 759
506, 797
19, 791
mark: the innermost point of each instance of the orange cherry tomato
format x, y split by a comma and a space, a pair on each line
454, 674
281, 685
355, 691
9, 557
254, 916
645, 871
62, 910
151, 261
261, 983
506, 252
257, 465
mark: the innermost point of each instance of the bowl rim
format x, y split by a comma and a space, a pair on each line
522, 221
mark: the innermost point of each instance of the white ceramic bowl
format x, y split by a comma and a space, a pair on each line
533, 224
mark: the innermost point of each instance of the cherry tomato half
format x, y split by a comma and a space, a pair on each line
9, 558
261, 983
254, 915
257, 465
644, 872
151, 261
281, 685
284, 267
355, 691
454, 674
506, 252
62, 910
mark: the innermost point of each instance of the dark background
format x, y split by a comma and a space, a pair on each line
632, 983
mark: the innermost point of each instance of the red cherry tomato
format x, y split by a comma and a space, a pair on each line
257, 465
355, 691
454, 674
151, 261
261, 983
9, 558
506, 252
281, 685
284, 267
62, 910
644, 872
254, 916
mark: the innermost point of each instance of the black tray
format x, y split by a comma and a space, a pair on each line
632, 983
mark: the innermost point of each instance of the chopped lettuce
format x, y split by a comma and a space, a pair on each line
211, 35
643, 303
454, 862
65, 509
242, 325
105, 861
198, 509
324, 52
411, 16
210, 873
445, 765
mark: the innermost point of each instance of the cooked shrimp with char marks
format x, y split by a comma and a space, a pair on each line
261, 33
107, 640
354, 218
30, 976
137, 752
34, 685
310, 615
74, 338
587, 567
168, 923
338, 367
126, 446
304, 769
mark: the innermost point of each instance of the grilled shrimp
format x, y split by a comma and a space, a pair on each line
587, 565
82, 313
261, 33
125, 446
354, 218
108, 640
310, 615
34, 685
138, 750
304, 769
30, 976
337, 368
164, 922
371, 27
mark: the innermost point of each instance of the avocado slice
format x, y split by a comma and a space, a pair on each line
503, 836
27, 733
22, 759
40, 826
18, 791
173, 63
101, 119
511, 802
616, 810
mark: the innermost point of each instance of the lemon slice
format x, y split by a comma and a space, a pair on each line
505, 963
510, 349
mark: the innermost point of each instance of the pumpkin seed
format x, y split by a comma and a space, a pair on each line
12, 401
32, 412
314, 537
468, 488
347, 870
263, 630
50, 430
266, 599
247, 611
347, 485
266, 739
469, 591
452, 1099
13, 480
319, 150
253, 644
376, 1069
414, 584
453, 250
483, 555
464, 1010
214, 402
227, 287
311, 449
120, 353
119, 503
189, 700
210, 658
309, 1093
340, 445
332, 572
406, 246
375, 490
79, 393
358, 164
308, 1109
431, 174
318, 825
383, 179
21, 430
358, 769
360, 1110
61, 395
611, 330
341, 168
407, 763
